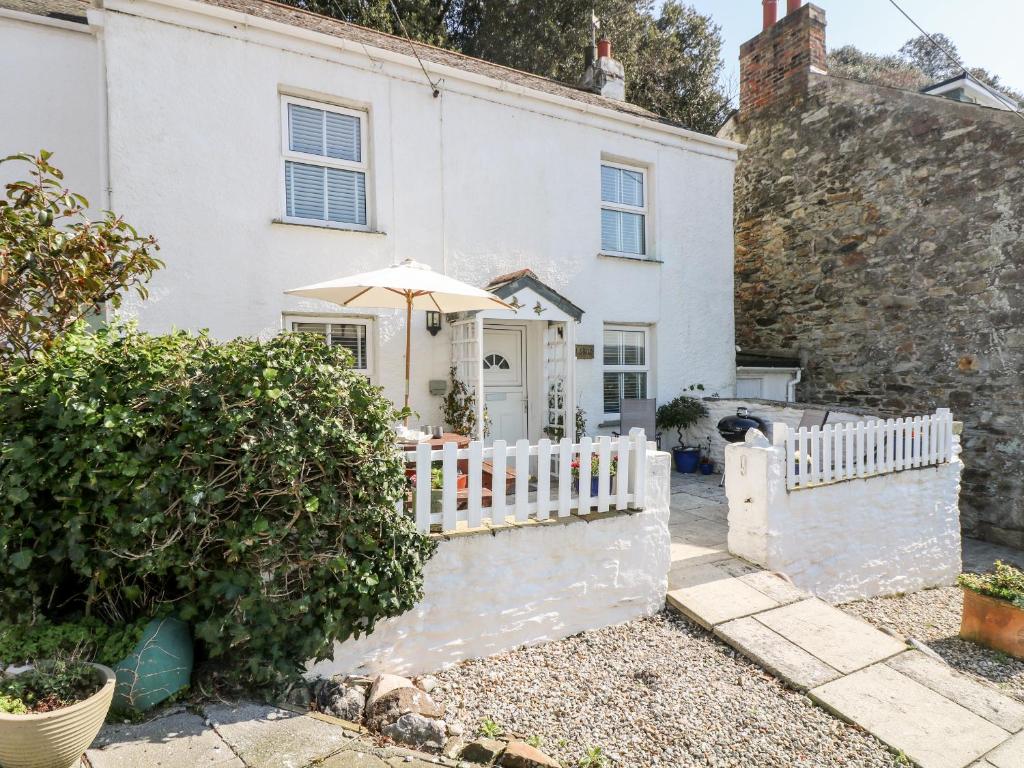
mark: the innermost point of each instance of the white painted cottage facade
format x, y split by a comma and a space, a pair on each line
268, 148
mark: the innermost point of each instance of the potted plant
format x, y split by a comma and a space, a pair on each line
994, 609
595, 465
707, 464
51, 712
681, 414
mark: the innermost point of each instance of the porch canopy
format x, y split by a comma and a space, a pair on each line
526, 298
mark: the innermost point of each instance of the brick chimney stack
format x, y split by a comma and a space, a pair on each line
775, 66
605, 76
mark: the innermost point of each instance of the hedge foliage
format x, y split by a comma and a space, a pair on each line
248, 487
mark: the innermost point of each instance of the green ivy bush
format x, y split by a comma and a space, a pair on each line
249, 487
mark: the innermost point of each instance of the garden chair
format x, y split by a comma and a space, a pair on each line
639, 413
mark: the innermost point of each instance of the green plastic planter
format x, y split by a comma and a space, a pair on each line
157, 668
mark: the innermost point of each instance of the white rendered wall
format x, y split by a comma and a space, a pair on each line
879, 535
51, 91
485, 593
476, 183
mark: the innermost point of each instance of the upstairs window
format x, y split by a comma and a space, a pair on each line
324, 164
350, 334
623, 210
626, 366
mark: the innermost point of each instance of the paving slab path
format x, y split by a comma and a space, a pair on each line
917, 705
245, 735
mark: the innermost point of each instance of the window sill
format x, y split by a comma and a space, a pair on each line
606, 424
332, 227
624, 257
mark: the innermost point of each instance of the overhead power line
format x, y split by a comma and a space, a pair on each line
952, 57
415, 53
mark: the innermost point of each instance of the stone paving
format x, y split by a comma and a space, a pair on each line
917, 705
245, 735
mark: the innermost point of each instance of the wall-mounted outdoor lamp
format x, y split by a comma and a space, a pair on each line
433, 322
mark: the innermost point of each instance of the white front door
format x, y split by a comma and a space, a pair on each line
504, 364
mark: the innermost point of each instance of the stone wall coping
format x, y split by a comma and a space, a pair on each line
494, 530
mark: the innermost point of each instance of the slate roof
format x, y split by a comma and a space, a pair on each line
68, 10
74, 10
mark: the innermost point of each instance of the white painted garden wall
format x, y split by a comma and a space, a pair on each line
524, 584
846, 540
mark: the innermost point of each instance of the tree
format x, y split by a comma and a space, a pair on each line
929, 57
57, 266
855, 64
918, 64
672, 61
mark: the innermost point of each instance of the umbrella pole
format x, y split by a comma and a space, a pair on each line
408, 345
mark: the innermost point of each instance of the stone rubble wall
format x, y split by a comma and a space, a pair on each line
488, 592
848, 540
880, 236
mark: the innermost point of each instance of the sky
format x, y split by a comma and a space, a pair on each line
987, 32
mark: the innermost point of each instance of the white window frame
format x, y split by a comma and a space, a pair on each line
645, 368
643, 211
290, 320
287, 154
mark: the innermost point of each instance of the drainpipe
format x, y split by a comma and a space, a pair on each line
791, 385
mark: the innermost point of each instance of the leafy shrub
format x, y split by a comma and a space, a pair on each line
1007, 583
458, 408
50, 685
86, 638
57, 266
249, 487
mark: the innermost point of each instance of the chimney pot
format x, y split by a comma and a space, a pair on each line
771, 12
604, 48
793, 5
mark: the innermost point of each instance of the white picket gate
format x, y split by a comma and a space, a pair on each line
621, 480
837, 452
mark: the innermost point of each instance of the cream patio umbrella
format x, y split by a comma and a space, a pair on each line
409, 285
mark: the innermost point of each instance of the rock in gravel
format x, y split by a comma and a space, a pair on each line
348, 704
391, 706
453, 747
484, 751
519, 754
417, 731
426, 683
384, 684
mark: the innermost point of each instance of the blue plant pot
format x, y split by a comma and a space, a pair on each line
707, 469
687, 460
593, 486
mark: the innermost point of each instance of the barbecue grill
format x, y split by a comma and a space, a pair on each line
733, 429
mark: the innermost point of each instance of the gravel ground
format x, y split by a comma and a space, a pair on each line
933, 617
653, 692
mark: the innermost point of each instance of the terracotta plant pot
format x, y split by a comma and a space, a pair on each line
55, 739
994, 623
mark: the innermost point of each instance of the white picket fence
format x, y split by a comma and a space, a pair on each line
837, 452
621, 481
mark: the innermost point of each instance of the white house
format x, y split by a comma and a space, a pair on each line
269, 148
